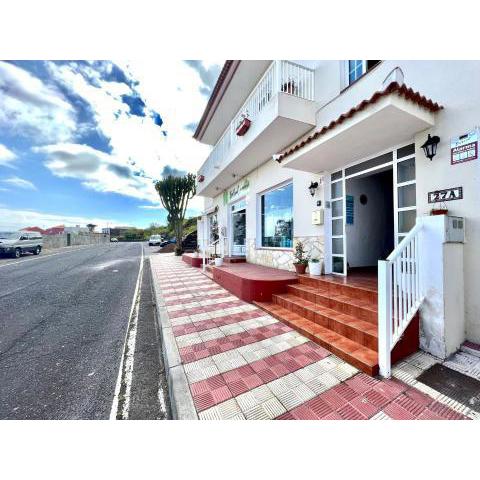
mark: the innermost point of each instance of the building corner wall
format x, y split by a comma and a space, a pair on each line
453, 279
442, 316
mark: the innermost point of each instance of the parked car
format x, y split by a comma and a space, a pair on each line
155, 240
114, 239
17, 243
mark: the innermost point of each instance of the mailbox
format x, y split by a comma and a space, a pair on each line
317, 217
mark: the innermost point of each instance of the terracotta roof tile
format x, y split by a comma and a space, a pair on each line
392, 88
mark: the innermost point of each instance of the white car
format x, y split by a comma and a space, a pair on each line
155, 240
17, 243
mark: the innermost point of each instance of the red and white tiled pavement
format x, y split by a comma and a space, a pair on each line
241, 363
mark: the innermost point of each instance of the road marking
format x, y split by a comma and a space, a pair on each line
121, 399
50, 255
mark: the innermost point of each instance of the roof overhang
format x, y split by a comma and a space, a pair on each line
226, 75
235, 83
389, 118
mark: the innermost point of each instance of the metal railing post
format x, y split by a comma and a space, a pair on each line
204, 243
384, 318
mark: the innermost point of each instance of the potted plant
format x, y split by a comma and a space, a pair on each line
439, 209
300, 259
314, 267
218, 260
243, 124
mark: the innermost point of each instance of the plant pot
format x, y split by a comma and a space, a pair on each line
218, 262
438, 211
315, 268
243, 127
300, 268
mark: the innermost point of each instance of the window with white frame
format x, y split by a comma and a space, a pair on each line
212, 228
276, 217
354, 69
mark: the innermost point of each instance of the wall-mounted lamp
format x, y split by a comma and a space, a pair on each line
313, 188
430, 146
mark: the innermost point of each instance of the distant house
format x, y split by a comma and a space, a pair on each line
76, 229
57, 230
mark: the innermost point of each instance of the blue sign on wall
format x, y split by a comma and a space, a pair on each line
349, 209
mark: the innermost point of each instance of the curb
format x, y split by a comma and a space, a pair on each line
181, 400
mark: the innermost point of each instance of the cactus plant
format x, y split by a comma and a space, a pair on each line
175, 192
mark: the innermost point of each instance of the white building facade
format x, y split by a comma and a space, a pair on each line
330, 153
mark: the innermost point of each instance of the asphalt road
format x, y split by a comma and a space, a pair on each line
63, 321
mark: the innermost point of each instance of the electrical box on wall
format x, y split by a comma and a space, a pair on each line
317, 217
455, 229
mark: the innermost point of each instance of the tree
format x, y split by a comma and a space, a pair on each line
175, 192
91, 227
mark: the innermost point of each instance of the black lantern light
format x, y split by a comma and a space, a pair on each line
430, 146
313, 187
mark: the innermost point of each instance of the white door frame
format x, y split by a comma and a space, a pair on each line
396, 209
230, 224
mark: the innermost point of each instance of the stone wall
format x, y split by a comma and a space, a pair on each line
283, 258
51, 242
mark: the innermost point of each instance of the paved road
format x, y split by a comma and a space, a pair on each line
63, 320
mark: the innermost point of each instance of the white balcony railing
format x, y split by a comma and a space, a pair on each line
400, 294
281, 76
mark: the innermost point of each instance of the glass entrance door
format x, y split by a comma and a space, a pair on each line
239, 228
402, 161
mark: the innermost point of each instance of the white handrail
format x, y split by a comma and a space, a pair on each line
400, 294
207, 256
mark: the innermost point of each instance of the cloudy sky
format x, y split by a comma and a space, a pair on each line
84, 141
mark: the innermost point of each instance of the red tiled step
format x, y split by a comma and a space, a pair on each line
362, 309
234, 259
352, 352
363, 290
360, 331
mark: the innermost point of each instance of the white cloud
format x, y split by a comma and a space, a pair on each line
15, 219
20, 183
151, 207
98, 170
6, 156
31, 108
170, 88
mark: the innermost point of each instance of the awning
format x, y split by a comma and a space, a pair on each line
388, 118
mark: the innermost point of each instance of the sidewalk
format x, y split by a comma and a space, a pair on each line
227, 359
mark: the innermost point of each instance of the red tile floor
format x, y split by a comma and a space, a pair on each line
242, 363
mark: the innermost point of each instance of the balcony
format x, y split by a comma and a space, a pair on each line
280, 109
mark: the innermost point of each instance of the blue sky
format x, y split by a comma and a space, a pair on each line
84, 141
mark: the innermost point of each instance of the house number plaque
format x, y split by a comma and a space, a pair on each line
455, 193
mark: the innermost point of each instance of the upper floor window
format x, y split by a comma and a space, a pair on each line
356, 68
277, 217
